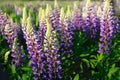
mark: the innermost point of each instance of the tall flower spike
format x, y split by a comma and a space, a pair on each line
3, 22
55, 16
41, 16
54, 19
17, 54
10, 32
92, 25
42, 26
67, 33
34, 48
51, 48
24, 21
11, 35
77, 18
107, 28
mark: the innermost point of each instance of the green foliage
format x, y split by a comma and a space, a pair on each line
76, 77
84, 64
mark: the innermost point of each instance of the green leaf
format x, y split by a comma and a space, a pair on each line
100, 57
76, 77
112, 70
26, 68
24, 77
93, 63
86, 61
84, 55
19, 78
13, 69
81, 67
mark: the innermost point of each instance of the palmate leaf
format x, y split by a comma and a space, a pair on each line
112, 71
100, 57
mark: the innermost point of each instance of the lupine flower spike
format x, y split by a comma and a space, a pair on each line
92, 26
17, 54
67, 33
51, 48
77, 18
35, 51
42, 26
107, 27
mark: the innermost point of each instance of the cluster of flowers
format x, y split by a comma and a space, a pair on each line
54, 38
10, 31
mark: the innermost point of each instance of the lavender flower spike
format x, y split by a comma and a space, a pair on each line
17, 54
42, 26
51, 48
106, 29
67, 33
3, 22
91, 27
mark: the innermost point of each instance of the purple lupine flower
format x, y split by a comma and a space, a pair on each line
54, 17
92, 23
112, 18
42, 25
10, 33
67, 33
77, 18
106, 29
56, 14
34, 48
9, 29
17, 54
54, 69
3, 21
